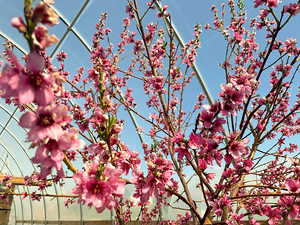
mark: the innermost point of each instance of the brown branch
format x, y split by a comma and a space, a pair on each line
69, 165
42, 195
266, 195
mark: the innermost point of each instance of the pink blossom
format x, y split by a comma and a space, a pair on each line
99, 186
238, 36
157, 180
178, 138
272, 3
293, 185
273, 214
259, 2
9, 81
290, 204
41, 38
244, 118
293, 9
195, 140
47, 122
18, 23
220, 203
126, 22
218, 125
127, 160
228, 173
61, 56
36, 86
28, 84
269, 3
156, 82
51, 153
183, 152
98, 118
247, 164
238, 148
42, 13
99, 149
206, 118
264, 13
210, 176
284, 69
233, 96
202, 164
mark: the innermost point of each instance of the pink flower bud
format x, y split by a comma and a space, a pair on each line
18, 23
202, 164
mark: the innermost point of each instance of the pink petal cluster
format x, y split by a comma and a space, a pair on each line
220, 203
238, 148
291, 205
269, 3
27, 84
233, 97
293, 185
18, 23
293, 8
160, 171
183, 152
273, 214
41, 37
44, 14
47, 122
99, 186
51, 153
210, 121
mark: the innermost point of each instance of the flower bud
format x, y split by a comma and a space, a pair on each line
18, 23
45, 15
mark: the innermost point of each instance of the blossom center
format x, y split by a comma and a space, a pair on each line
97, 189
36, 80
52, 144
46, 119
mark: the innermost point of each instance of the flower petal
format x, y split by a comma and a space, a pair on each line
28, 120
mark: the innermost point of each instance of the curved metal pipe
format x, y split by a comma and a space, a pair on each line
17, 164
